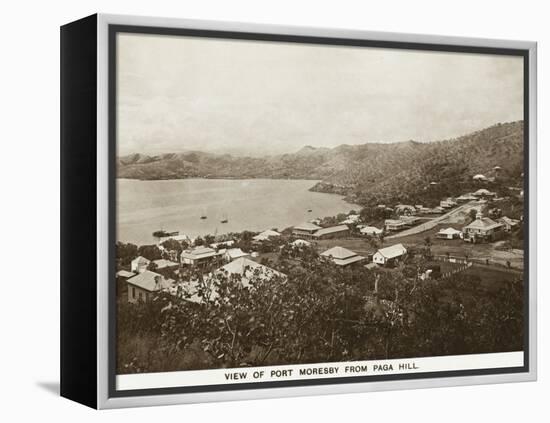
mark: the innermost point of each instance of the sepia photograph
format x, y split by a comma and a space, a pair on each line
299, 203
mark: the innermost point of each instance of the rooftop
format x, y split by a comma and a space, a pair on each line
248, 269
484, 223
198, 253
332, 229
150, 281
307, 226
236, 253
393, 251
162, 263
338, 253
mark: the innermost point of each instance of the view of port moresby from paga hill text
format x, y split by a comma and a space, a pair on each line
288, 203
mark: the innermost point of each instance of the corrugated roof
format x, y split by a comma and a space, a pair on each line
449, 231
331, 230
236, 253
338, 253
162, 263
148, 281
393, 251
307, 226
141, 260
370, 230
125, 274
483, 223
198, 253
248, 269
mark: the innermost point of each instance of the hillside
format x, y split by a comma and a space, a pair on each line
366, 173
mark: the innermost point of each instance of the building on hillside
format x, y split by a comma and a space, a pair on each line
484, 193
446, 204
222, 244
249, 270
180, 238
142, 286
165, 264
300, 243
409, 220
305, 229
480, 178
139, 264
371, 231
265, 235
405, 209
234, 253
124, 274
482, 229
352, 219
393, 225
509, 223
342, 256
390, 256
449, 233
199, 256
332, 232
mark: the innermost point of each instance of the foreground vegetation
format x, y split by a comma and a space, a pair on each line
319, 313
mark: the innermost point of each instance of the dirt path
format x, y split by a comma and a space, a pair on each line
464, 208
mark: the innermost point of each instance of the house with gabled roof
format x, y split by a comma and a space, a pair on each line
331, 232
390, 256
371, 231
139, 264
234, 253
265, 235
306, 229
509, 223
199, 256
145, 284
448, 233
342, 256
249, 270
482, 229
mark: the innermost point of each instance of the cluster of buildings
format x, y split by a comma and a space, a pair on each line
387, 256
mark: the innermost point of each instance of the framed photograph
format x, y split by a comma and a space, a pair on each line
253, 211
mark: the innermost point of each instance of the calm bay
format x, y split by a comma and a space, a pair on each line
248, 204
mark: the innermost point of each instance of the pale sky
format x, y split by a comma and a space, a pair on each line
183, 93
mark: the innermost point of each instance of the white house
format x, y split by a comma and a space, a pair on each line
351, 219
249, 270
198, 256
371, 231
165, 264
299, 243
449, 233
390, 255
142, 286
509, 223
265, 235
482, 229
392, 225
139, 264
342, 256
234, 253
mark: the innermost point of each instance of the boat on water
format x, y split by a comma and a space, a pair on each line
163, 234
224, 219
309, 210
204, 217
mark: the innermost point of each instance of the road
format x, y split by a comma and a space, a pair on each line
464, 208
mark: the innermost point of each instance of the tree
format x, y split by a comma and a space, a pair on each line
125, 253
150, 252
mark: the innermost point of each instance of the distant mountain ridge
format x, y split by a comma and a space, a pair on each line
357, 171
